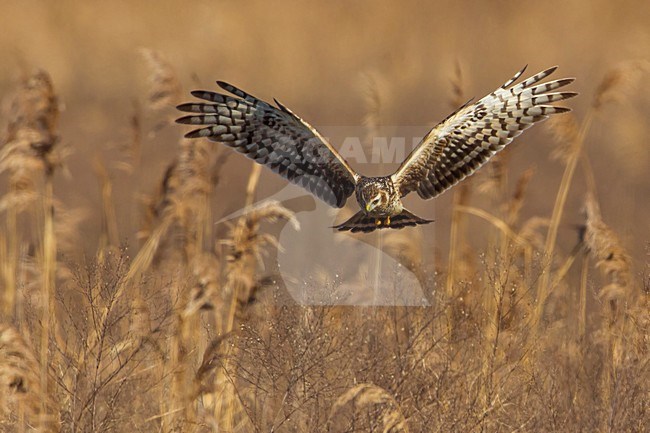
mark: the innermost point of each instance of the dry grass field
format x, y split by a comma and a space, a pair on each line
132, 300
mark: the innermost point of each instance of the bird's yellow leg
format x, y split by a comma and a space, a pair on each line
388, 220
378, 222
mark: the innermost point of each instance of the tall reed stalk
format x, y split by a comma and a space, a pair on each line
10, 263
47, 294
556, 218
460, 197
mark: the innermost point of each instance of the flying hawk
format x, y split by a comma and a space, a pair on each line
451, 151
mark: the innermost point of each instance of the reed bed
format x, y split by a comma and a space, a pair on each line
190, 332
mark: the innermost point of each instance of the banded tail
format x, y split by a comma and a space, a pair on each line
360, 222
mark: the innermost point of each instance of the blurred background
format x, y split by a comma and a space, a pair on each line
317, 58
518, 325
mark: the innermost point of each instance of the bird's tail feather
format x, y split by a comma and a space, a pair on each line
360, 222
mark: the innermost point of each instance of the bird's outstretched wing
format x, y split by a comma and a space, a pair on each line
274, 137
465, 140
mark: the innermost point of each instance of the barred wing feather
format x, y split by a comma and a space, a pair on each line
468, 138
274, 137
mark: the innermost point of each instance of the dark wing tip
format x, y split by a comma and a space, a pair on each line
199, 133
240, 93
514, 78
185, 120
199, 93
187, 107
232, 89
552, 69
521, 71
564, 81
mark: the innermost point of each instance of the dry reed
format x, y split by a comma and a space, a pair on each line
164, 85
386, 411
193, 334
21, 383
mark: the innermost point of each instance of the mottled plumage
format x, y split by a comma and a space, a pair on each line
273, 137
451, 151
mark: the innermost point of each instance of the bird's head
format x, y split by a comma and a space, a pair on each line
373, 203
373, 198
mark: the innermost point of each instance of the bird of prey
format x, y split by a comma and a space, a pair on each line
452, 150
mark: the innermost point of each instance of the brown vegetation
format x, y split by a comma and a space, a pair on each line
530, 327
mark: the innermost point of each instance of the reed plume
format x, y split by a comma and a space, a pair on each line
376, 403
21, 384
611, 258
164, 86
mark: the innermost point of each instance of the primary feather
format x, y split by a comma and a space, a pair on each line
274, 137
468, 138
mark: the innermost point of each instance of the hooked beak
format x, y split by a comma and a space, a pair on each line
369, 207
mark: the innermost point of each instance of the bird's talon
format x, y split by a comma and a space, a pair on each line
388, 221
378, 222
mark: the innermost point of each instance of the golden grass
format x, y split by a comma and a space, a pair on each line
193, 331
386, 414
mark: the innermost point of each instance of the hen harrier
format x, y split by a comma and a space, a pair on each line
453, 150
